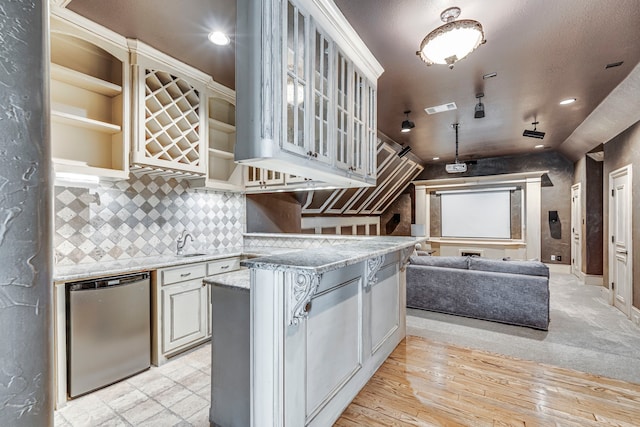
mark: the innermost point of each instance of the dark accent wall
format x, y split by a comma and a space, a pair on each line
396, 220
555, 193
623, 150
588, 173
273, 213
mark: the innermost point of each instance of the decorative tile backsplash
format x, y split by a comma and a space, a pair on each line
142, 216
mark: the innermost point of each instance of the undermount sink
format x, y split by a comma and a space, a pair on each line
190, 255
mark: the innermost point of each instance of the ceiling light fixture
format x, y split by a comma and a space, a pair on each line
436, 158
533, 133
567, 101
219, 38
479, 107
407, 124
539, 146
451, 42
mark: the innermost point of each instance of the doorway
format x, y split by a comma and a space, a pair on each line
576, 231
620, 239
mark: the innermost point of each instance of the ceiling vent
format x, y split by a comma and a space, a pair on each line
441, 108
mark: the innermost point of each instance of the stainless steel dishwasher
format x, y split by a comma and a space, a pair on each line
108, 331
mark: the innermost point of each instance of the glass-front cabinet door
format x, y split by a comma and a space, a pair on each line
343, 116
296, 79
321, 97
372, 133
358, 147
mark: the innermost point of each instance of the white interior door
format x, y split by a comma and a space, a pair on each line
620, 244
576, 230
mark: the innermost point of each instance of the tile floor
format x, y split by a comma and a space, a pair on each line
175, 394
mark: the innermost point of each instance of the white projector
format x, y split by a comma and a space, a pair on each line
456, 167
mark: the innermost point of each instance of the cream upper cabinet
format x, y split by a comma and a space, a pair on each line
223, 173
89, 98
306, 92
170, 113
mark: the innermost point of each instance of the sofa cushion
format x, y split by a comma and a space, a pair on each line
441, 261
530, 268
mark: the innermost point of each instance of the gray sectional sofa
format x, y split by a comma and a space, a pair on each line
514, 292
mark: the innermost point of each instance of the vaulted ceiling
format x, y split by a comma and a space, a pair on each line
543, 51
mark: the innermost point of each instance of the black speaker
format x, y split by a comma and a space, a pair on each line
553, 216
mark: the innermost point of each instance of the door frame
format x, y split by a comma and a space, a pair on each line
625, 170
574, 256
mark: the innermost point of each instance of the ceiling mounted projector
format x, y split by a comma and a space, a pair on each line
456, 167
533, 133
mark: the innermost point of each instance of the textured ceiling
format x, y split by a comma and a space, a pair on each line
542, 50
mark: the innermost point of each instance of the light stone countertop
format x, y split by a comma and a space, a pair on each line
320, 260
234, 279
132, 265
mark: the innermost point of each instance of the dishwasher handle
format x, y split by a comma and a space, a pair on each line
106, 282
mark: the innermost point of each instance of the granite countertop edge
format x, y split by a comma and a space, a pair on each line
321, 260
239, 279
97, 269
313, 260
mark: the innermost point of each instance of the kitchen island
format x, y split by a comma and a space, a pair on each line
317, 324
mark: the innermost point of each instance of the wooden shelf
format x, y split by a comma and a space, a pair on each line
85, 81
84, 122
221, 126
222, 154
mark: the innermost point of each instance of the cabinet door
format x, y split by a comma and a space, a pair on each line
321, 97
296, 80
184, 314
343, 118
372, 134
258, 177
357, 144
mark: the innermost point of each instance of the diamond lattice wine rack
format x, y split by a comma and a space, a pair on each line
171, 119
170, 113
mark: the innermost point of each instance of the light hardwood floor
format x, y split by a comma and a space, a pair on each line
427, 383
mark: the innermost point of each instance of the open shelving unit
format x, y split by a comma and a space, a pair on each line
89, 99
222, 171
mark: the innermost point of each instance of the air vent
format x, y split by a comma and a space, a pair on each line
441, 108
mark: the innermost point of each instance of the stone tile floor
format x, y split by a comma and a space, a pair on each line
177, 393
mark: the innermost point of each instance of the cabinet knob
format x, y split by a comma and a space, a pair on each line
224, 267
185, 274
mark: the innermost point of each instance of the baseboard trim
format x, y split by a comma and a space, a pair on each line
559, 268
591, 279
635, 316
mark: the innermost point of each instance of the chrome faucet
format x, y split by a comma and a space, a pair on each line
182, 241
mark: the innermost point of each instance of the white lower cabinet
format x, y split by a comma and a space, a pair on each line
182, 306
184, 309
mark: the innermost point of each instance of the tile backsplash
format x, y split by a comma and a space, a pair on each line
142, 216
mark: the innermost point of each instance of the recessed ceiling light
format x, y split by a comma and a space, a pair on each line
567, 101
219, 38
436, 158
539, 146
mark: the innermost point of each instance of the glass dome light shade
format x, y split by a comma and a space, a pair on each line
451, 42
